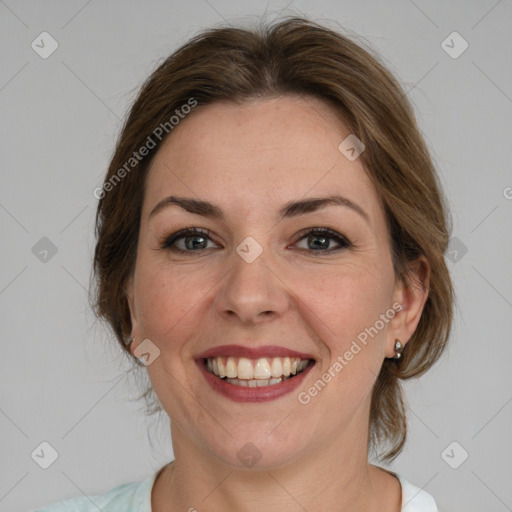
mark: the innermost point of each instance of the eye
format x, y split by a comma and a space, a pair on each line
319, 240
187, 240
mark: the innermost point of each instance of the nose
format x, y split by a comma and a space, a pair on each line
252, 292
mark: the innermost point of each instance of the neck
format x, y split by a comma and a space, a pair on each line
333, 478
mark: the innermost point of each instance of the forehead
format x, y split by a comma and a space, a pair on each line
263, 151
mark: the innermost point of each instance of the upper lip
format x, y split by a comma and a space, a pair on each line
252, 352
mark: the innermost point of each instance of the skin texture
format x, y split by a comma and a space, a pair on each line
250, 160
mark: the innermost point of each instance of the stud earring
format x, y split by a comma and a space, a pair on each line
398, 349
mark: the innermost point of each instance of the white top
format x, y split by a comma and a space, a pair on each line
136, 497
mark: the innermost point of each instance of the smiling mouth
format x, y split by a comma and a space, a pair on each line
252, 373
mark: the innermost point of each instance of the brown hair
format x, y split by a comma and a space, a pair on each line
294, 56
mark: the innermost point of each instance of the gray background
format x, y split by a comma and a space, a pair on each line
62, 379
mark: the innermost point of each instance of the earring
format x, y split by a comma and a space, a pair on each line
129, 341
398, 349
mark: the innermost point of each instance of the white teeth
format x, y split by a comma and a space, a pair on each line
231, 368
264, 371
302, 365
287, 366
245, 369
255, 382
220, 366
277, 367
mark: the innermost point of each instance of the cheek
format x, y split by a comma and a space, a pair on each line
166, 304
165, 297
348, 297
346, 308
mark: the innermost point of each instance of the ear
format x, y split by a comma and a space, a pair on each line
129, 289
412, 297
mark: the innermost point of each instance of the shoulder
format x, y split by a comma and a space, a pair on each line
415, 499
129, 497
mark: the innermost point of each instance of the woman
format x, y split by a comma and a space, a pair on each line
271, 237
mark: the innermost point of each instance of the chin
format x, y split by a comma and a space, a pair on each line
259, 452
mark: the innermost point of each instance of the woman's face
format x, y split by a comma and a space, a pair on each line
258, 288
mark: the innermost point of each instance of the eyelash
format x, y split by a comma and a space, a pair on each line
323, 232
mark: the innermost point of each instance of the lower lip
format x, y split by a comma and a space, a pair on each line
246, 394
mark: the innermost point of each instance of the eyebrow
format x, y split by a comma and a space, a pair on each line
290, 209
